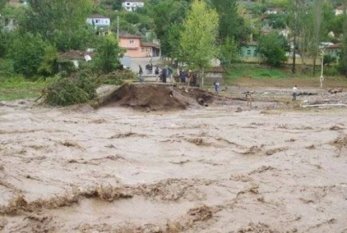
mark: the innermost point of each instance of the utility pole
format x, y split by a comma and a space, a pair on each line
295, 12
118, 27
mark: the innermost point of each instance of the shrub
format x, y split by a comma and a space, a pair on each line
272, 47
27, 52
70, 90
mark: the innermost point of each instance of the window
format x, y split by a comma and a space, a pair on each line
248, 52
131, 41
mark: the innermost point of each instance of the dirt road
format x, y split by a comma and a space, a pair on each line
203, 170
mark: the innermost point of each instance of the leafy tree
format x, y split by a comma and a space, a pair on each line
231, 25
48, 66
198, 37
228, 52
343, 61
27, 52
166, 15
59, 21
272, 47
108, 54
3, 3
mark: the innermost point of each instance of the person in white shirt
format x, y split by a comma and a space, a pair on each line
295, 92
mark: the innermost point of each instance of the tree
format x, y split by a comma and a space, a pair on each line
272, 48
167, 15
59, 21
108, 54
27, 52
198, 37
228, 52
343, 61
231, 25
317, 19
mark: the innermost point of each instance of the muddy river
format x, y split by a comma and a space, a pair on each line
200, 170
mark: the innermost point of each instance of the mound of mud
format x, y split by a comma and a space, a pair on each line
153, 97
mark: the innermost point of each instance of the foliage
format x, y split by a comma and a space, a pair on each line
27, 52
272, 48
228, 52
62, 22
108, 54
166, 16
70, 90
17, 87
48, 66
231, 25
6, 67
198, 37
343, 60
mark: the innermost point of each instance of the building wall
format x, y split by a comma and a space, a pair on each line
133, 47
99, 22
132, 6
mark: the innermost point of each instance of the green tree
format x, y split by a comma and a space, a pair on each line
62, 22
27, 52
48, 66
229, 52
108, 54
272, 48
343, 61
166, 16
231, 25
198, 37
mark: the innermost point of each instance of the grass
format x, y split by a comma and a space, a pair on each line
19, 88
253, 75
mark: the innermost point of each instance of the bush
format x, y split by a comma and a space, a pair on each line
272, 47
70, 90
27, 52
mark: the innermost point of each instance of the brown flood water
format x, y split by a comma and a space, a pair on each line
200, 170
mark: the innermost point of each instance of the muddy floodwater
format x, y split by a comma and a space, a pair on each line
200, 170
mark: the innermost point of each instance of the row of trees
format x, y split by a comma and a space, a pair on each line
191, 31
46, 28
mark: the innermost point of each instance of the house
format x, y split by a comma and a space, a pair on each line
134, 47
132, 5
99, 21
249, 52
339, 10
333, 51
73, 58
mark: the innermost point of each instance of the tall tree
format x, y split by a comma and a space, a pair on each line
343, 62
59, 21
231, 25
167, 16
108, 54
198, 37
317, 22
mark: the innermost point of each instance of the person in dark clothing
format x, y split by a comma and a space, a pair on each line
140, 74
163, 75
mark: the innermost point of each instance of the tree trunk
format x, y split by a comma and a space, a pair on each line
202, 78
314, 65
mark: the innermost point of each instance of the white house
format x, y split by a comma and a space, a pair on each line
339, 10
132, 5
99, 21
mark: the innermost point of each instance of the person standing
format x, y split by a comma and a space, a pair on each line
295, 93
164, 74
216, 85
141, 74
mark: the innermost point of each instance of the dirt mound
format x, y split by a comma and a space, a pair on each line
154, 97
